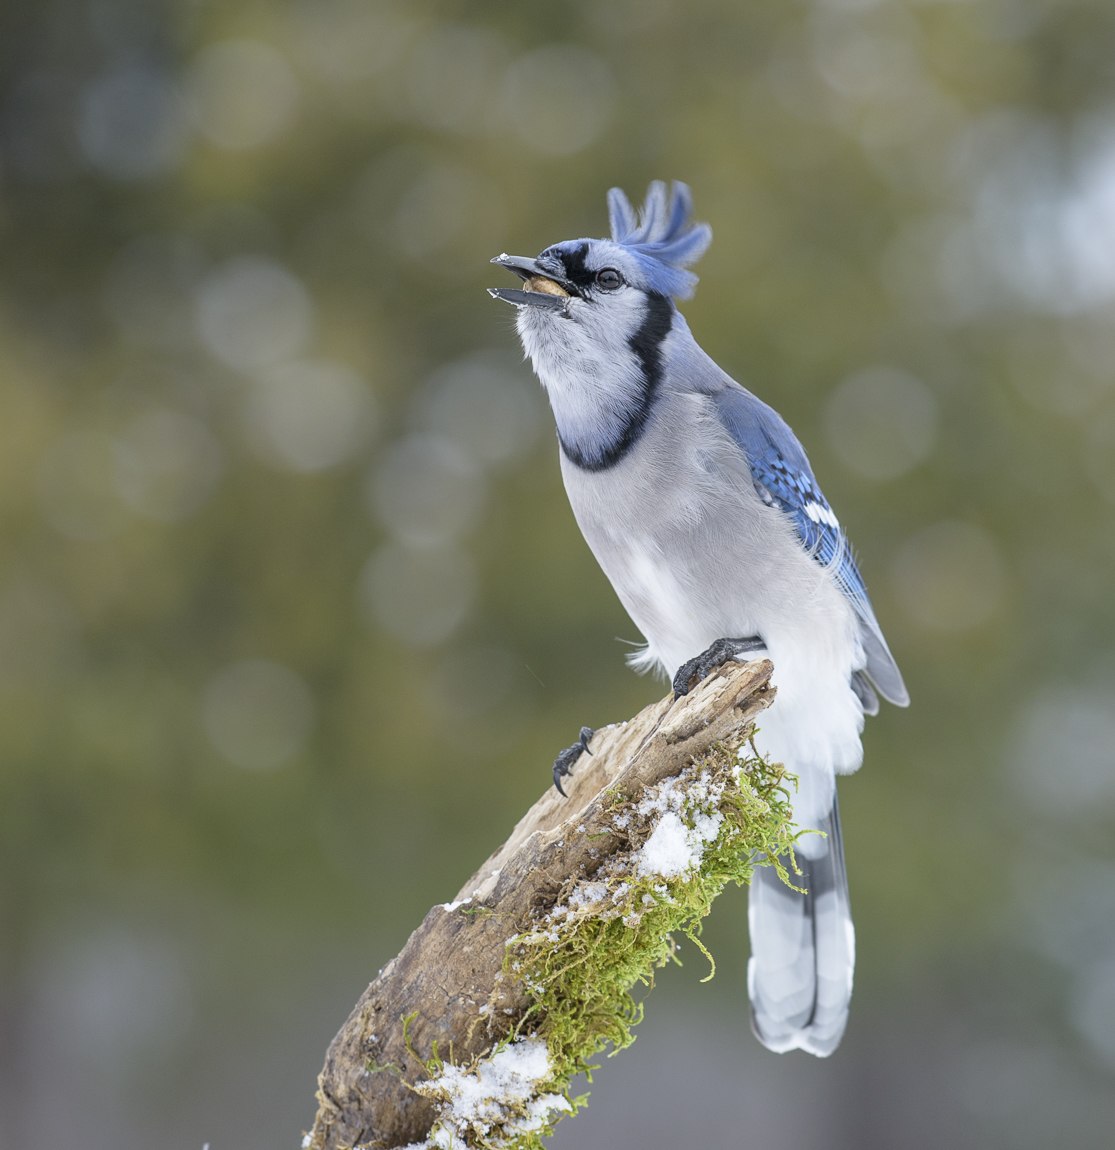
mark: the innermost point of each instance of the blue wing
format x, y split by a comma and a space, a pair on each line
784, 479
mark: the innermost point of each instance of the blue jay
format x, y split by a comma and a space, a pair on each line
702, 509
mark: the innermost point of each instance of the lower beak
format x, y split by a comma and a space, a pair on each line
539, 289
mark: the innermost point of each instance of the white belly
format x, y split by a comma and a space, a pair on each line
717, 563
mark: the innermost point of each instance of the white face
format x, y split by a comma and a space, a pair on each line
587, 341
592, 333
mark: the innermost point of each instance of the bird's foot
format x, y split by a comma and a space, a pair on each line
696, 670
567, 759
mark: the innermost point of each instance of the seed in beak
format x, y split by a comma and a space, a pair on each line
545, 286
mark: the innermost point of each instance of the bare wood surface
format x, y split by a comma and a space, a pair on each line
451, 966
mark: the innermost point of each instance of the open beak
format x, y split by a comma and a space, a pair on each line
540, 288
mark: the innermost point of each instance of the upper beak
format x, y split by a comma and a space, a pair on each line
543, 289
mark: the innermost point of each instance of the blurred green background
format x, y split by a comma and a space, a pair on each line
293, 613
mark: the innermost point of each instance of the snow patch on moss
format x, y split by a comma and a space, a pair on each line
494, 1102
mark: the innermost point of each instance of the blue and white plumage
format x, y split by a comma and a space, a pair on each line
701, 507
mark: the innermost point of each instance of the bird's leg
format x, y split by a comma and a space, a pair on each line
697, 669
567, 759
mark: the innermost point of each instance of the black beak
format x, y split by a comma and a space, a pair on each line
543, 288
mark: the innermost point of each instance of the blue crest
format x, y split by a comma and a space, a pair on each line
662, 236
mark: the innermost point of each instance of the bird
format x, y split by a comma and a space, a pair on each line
701, 507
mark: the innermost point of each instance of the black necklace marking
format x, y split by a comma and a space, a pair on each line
646, 343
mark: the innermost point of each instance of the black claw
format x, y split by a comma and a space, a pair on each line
567, 759
697, 669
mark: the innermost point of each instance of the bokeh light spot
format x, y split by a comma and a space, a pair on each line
257, 714
420, 595
311, 415
487, 403
132, 123
167, 465
426, 490
1092, 1009
252, 312
1061, 759
120, 995
882, 422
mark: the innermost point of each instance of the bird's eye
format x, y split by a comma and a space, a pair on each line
608, 279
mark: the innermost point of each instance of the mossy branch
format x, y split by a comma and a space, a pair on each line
472, 1034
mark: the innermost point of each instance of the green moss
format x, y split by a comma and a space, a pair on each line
606, 936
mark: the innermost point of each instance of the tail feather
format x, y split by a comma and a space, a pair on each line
802, 951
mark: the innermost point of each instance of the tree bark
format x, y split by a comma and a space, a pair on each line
449, 982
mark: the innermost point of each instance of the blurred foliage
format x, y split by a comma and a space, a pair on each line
293, 613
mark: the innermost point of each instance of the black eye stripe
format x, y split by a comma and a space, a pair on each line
573, 260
